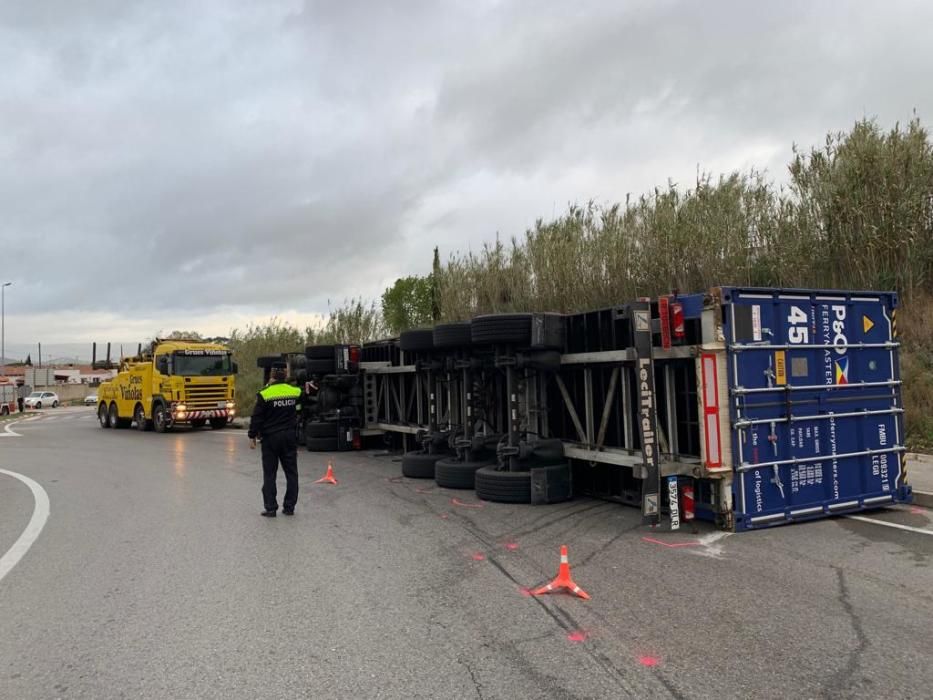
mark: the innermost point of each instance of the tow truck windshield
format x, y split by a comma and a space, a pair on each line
187, 364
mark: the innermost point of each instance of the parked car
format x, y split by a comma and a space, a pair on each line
38, 399
90, 400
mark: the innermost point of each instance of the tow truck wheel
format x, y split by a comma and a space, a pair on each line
103, 416
198, 423
218, 423
159, 418
139, 415
115, 420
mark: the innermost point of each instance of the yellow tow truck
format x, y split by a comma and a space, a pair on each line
173, 382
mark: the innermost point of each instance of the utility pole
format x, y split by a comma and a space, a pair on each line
3, 326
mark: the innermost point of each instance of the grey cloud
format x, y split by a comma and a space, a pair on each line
725, 70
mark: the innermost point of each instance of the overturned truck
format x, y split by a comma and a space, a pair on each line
331, 399
746, 407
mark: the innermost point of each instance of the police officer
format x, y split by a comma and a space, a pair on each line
275, 422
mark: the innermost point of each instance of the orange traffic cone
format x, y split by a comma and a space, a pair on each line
563, 580
328, 478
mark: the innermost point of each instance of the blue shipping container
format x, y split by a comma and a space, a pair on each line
815, 403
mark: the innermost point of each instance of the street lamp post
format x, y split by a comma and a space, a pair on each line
3, 326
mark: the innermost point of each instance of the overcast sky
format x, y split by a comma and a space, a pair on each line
200, 165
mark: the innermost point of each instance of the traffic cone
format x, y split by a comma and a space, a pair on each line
328, 478
563, 580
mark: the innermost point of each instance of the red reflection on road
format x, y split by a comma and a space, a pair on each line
649, 661
458, 502
479, 556
511, 546
577, 636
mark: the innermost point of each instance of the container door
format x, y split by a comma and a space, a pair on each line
815, 403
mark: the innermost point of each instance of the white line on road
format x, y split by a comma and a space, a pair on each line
10, 433
863, 519
39, 515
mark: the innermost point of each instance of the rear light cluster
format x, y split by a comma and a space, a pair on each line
677, 321
671, 318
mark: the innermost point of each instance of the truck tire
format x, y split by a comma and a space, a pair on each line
417, 340
322, 444
159, 418
516, 329
503, 486
103, 416
340, 382
329, 398
451, 474
453, 335
115, 420
419, 465
316, 366
218, 423
320, 352
139, 415
320, 429
266, 361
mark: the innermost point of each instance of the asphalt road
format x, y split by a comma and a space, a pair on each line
155, 577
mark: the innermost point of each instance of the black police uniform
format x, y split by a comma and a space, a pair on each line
275, 422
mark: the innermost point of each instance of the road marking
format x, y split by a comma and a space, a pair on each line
39, 515
908, 528
10, 433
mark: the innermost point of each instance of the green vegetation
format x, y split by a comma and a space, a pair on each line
408, 303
